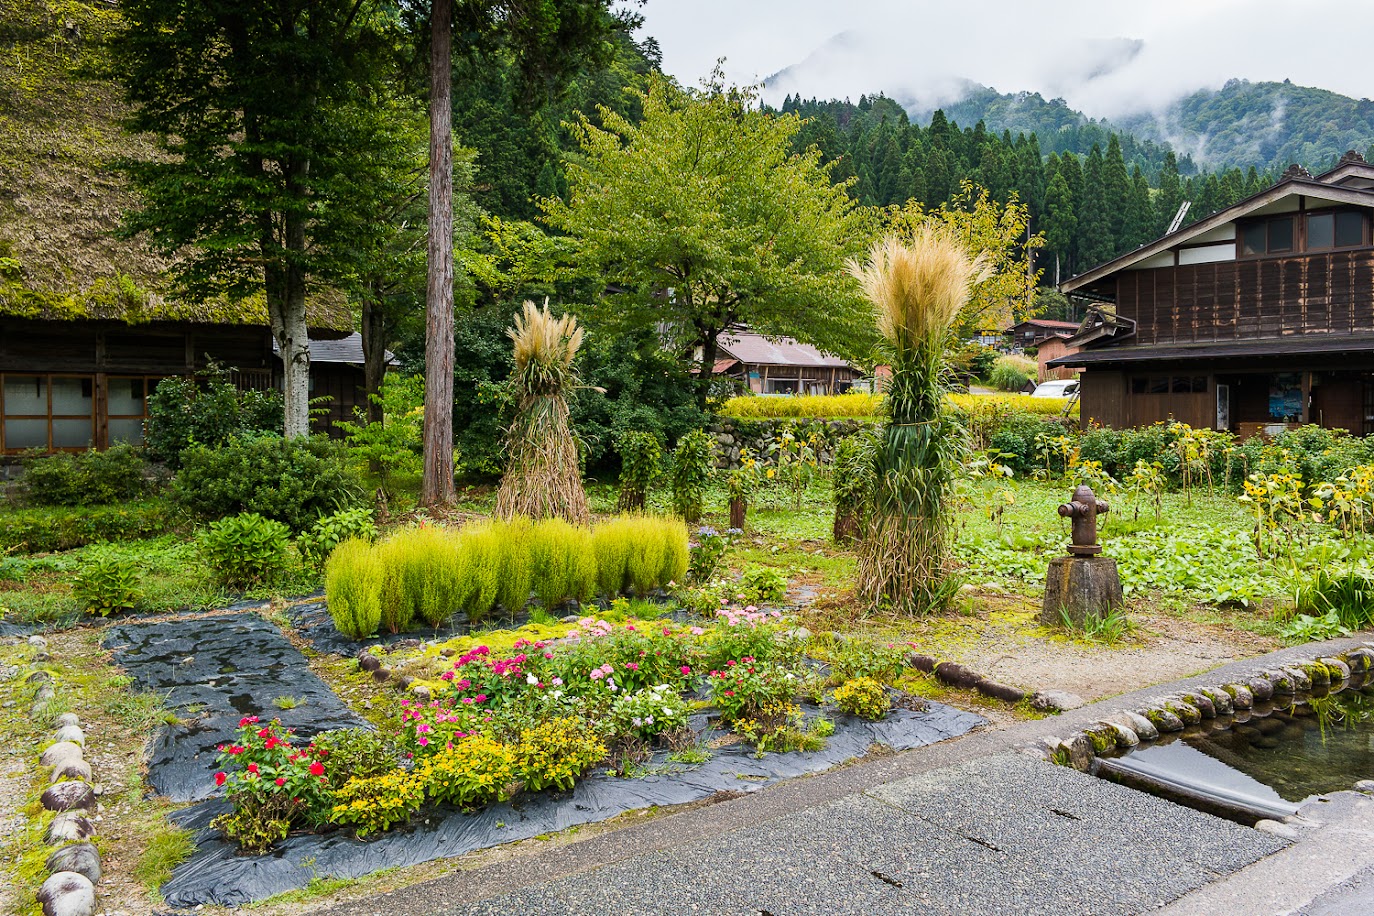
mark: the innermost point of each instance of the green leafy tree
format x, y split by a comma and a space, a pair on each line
255, 108
702, 218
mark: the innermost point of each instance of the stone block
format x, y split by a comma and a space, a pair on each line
1079, 587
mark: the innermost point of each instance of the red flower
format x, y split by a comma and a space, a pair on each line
316, 769
281, 781
253, 768
235, 749
247, 720
264, 732
271, 743
219, 779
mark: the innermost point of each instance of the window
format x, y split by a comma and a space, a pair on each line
47, 411
1166, 384
1252, 239
1281, 234
1349, 229
1335, 229
127, 406
1323, 229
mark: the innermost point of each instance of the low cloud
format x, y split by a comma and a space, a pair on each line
1107, 60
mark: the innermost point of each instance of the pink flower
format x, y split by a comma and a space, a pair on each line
633, 666
281, 780
597, 674
686, 669
424, 742
697, 631
557, 682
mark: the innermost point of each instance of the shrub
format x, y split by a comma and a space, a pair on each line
46, 530
353, 583
564, 562
693, 461
373, 804
392, 446
474, 772
86, 479
855, 658
294, 481
852, 404
1011, 373
641, 460
354, 753
1350, 596
517, 576
1018, 437
863, 697
752, 689
749, 634
107, 585
486, 560
272, 784
706, 552
245, 550
183, 412
643, 551
553, 754
427, 577
852, 476
648, 712
763, 585
329, 532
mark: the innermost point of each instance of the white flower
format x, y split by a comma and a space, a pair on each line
531, 679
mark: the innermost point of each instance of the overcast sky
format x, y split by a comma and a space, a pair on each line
1104, 56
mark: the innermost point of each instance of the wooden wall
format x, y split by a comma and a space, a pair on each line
1327, 293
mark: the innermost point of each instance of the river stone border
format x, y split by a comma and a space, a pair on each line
74, 864
1175, 712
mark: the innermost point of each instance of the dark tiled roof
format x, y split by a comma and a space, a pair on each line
344, 350
1309, 345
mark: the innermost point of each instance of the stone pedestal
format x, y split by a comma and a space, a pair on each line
1080, 586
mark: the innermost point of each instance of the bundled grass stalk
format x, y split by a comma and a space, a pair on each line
543, 478
918, 288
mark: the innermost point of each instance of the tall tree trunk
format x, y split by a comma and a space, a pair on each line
708, 366
437, 485
294, 339
374, 350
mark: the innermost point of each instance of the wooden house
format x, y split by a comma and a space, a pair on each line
1254, 319
782, 366
1033, 331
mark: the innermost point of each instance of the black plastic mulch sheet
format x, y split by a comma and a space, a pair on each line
217, 874
212, 672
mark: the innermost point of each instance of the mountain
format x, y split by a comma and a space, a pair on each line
1266, 125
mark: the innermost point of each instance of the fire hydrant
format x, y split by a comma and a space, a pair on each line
1084, 510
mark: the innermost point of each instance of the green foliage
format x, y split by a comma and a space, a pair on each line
552, 754
294, 481
107, 585
639, 193
392, 444
1106, 627
863, 697
517, 573
427, 569
693, 461
245, 550
353, 582
372, 804
762, 585
93, 478
486, 553
855, 658
640, 551
563, 562
45, 530
1306, 628
476, 771
183, 412
1350, 596
1011, 373
705, 553
641, 461
648, 712
316, 544
752, 689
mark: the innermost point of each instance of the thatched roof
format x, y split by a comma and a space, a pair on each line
60, 200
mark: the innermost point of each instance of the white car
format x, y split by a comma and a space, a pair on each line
1057, 388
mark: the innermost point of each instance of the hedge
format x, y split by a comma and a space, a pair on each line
49, 529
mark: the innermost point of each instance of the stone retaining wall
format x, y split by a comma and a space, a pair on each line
757, 435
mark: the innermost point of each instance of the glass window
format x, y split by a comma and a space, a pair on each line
1138, 386
1281, 234
1349, 229
72, 434
126, 430
1159, 385
72, 396
26, 394
1199, 384
125, 397
26, 434
1252, 240
1321, 230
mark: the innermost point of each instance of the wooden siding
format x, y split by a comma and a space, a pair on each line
1326, 293
1102, 398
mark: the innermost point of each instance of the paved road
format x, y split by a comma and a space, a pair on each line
967, 827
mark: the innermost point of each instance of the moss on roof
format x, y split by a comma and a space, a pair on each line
60, 199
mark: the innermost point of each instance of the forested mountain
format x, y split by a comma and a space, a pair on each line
1267, 125
1089, 206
